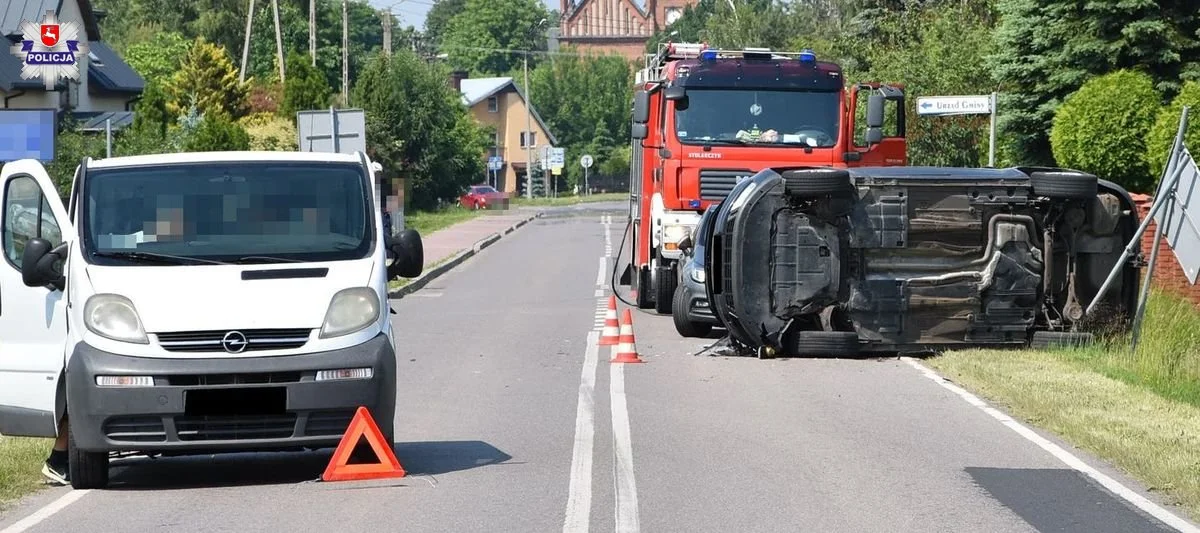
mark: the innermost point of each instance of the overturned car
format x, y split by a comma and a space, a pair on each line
824, 261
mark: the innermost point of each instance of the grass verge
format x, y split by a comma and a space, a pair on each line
571, 200
427, 222
20, 466
1139, 411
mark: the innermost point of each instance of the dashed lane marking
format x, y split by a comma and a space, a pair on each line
579, 492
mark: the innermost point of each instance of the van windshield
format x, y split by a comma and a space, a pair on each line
229, 212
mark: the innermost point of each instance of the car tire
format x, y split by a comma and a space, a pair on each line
1064, 185
88, 470
684, 326
664, 290
823, 343
1056, 339
816, 182
643, 288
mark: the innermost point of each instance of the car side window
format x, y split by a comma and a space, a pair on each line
27, 215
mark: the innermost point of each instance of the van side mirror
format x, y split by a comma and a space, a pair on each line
639, 131
407, 255
686, 244
641, 107
875, 111
41, 266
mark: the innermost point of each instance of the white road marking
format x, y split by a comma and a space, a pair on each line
1072, 461
600, 272
624, 483
46, 512
579, 495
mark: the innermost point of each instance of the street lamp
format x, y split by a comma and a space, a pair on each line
528, 119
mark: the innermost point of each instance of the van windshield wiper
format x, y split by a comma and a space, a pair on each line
264, 259
151, 257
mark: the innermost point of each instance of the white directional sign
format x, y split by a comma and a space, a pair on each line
954, 105
558, 157
585, 161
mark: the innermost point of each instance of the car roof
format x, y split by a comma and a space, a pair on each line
223, 157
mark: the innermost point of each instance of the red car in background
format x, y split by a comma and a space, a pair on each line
483, 197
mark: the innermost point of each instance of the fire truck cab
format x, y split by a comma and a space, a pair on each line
706, 119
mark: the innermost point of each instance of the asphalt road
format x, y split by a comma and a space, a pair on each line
507, 421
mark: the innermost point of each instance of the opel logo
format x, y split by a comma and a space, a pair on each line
234, 342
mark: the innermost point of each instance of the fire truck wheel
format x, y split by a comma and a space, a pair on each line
664, 290
816, 182
643, 288
1064, 185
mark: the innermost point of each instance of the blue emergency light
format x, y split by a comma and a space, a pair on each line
807, 56
694, 204
708, 55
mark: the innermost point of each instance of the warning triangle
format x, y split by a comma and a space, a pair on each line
363, 426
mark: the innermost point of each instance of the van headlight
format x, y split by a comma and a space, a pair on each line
113, 316
350, 310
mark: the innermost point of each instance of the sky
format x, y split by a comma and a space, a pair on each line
412, 12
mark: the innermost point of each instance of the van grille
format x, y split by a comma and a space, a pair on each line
244, 427
210, 340
717, 184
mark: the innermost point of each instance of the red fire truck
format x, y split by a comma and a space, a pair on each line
705, 119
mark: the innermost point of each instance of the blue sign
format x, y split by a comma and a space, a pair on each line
495, 163
27, 134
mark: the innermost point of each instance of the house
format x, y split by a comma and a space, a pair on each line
109, 89
617, 26
499, 104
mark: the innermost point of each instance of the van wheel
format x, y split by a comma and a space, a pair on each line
88, 470
827, 343
664, 290
816, 182
1055, 339
1064, 185
679, 309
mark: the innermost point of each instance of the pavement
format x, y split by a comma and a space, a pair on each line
510, 418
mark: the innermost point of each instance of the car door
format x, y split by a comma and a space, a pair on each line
33, 327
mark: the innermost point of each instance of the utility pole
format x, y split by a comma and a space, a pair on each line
246, 43
528, 131
278, 40
387, 33
345, 56
312, 30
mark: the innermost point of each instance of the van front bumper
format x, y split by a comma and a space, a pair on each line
237, 403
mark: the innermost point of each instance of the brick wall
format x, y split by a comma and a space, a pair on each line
1168, 274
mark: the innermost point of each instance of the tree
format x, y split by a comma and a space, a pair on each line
1102, 127
215, 132
305, 87
152, 114
1046, 49
1158, 142
208, 80
418, 128
495, 25
268, 131
156, 60
437, 20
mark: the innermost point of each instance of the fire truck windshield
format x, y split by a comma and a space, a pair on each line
758, 117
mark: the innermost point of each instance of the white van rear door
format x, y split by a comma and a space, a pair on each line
33, 327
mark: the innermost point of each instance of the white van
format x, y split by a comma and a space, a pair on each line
197, 303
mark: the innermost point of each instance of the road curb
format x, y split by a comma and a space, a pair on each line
457, 259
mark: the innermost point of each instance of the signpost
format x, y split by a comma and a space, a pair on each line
941, 106
495, 163
586, 163
557, 160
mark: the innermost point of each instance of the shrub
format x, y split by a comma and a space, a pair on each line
1102, 128
1158, 142
270, 132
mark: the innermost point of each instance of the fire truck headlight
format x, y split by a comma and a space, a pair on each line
672, 234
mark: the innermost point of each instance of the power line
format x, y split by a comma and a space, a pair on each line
530, 52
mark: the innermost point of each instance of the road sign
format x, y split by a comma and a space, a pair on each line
495, 163
558, 157
954, 105
586, 161
342, 131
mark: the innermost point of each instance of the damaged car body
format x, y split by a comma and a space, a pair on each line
825, 261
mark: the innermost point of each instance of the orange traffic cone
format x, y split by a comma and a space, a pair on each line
610, 335
626, 351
